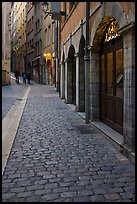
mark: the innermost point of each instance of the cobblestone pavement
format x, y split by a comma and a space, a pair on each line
56, 157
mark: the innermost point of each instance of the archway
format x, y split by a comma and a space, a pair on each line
110, 73
71, 76
81, 107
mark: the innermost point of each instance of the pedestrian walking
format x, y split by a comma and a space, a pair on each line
17, 76
28, 77
24, 76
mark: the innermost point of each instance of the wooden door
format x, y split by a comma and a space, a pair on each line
111, 85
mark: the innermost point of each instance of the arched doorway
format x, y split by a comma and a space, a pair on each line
111, 73
81, 76
71, 76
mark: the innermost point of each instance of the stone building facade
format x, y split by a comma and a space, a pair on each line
6, 43
13, 37
29, 37
21, 36
49, 65
6, 8
37, 61
18, 37
111, 68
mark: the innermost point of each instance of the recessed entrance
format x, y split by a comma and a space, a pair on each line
81, 107
111, 84
110, 53
71, 76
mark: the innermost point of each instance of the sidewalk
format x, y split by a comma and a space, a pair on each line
11, 93
56, 157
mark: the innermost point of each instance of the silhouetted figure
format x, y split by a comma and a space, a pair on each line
17, 76
29, 77
24, 76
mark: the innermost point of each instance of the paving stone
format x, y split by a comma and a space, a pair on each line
113, 196
127, 195
33, 199
25, 194
99, 191
85, 192
97, 198
68, 194
42, 192
18, 189
82, 199
50, 197
7, 195
59, 189
31, 188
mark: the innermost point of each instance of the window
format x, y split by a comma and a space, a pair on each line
46, 37
38, 48
32, 20
65, 10
40, 45
52, 33
36, 26
32, 43
49, 35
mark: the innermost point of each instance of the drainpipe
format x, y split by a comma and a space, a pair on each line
86, 59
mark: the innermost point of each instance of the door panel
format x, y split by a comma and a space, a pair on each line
110, 73
118, 107
119, 115
110, 109
111, 90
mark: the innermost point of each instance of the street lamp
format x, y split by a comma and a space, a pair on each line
53, 9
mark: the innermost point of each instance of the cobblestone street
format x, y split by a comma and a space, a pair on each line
56, 157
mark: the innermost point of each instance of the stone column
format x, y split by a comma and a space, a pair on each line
62, 78
128, 34
77, 81
94, 84
66, 81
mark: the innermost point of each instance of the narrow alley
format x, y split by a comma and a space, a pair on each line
56, 157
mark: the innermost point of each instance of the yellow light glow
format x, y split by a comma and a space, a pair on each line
48, 54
